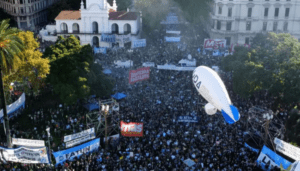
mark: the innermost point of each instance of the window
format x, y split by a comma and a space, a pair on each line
218, 25
220, 10
275, 26
213, 24
285, 26
247, 40
228, 26
248, 25
22, 11
228, 40
287, 12
266, 12
249, 12
276, 12
229, 12
265, 26
250, 0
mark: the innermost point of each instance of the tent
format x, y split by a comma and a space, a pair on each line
91, 106
118, 96
107, 71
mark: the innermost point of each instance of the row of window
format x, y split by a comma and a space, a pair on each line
23, 10
266, 12
248, 26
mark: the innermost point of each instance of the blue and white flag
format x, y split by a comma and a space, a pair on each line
69, 154
267, 156
139, 43
187, 119
108, 38
251, 148
100, 50
172, 39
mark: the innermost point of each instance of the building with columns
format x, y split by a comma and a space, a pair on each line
27, 13
88, 24
238, 21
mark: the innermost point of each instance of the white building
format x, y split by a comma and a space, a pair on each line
27, 13
90, 23
239, 20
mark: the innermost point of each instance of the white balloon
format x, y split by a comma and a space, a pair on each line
210, 109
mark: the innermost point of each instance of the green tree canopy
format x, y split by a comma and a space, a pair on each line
273, 64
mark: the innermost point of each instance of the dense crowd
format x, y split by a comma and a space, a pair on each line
211, 143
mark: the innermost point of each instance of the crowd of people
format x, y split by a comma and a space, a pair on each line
211, 143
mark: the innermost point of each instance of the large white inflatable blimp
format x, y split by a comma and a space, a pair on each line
211, 87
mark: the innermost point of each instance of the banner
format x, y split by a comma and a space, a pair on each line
108, 38
295, 166
78, 135
214, 43
175, 68
80, 140
69, 154
14, 107
123, 38
138, 43
132, 129
172, 32
187, 119
24, 155
172, 39
28, 142
251, 148
287, 149
100, 50
139, 75
269, 157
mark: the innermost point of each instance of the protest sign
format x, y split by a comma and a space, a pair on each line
138, 43
267, 156
172, 39
80, 140
187, 119
78, 135
71, 153
108, 38
287, 149
25, 155
139, 75
123, 38
132, 129
214, 43
100, 50
28, 142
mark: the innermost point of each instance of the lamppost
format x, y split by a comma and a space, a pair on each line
105, 109
268, 117
48, 132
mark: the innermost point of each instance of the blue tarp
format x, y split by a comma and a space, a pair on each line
118, 96
107, 71
91, 106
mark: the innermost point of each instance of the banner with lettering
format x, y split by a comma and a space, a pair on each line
187, 119
139, 75
132, 129
214, 43
138, 43
100, 50
287, 149
123, 38
79, 134
28, 142
172, 39
108, 38
24, 155
71, 153
269, 157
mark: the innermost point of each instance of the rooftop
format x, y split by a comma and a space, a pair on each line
69, 15
123, 15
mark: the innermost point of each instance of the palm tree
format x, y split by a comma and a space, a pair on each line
10, 45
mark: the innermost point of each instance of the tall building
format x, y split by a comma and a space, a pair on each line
94, 23
27, 13
239, 20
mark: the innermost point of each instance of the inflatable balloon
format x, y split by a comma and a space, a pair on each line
211, 87
210, 109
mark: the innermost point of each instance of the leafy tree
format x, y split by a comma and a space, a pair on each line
273, 64
30, 65
10, 45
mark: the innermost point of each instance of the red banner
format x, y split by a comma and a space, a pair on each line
214, 43
132, 129
139, 75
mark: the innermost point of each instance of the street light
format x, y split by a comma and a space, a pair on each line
105, 109
48, 132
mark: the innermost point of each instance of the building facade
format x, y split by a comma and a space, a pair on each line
88, 24
238, 21
27, 13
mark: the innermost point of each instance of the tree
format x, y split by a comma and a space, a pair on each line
10, 45
272, 64
31, 67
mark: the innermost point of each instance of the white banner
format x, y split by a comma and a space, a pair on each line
287, 149
172, 32
80, 134
79, 140
123, 38
138, 43
28, 142
24, 155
